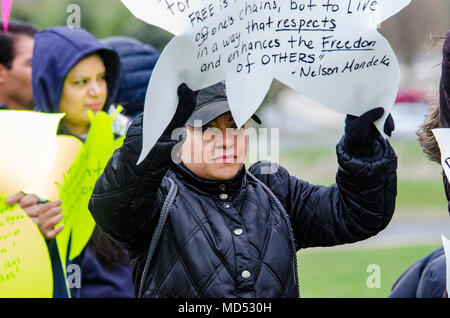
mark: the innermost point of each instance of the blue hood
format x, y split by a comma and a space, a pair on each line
137, 60
56, 51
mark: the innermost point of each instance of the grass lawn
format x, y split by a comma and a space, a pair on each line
421, 194
335, 272
419, 180
343, 273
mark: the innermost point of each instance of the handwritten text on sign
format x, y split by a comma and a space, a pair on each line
442, 136
329, 50
25, 267
79, 183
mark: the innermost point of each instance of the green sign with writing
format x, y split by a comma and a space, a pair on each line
79, 183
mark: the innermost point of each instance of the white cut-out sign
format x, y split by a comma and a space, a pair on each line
446, 244
328, 50
442, 136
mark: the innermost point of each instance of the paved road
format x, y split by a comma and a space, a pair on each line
407, 231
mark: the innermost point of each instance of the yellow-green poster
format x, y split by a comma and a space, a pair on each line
29, 144
79, 183
25, 267
68, 170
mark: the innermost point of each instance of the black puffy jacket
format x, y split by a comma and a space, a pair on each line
228, 239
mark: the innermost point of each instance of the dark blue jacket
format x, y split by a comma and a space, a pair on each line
424, 279
57, 50
137, 63
228, 238
106, 281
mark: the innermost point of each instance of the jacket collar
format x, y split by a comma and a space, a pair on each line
214, 187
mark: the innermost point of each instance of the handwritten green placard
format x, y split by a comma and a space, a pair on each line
25, 266
79, 183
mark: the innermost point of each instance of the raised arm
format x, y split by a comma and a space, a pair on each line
361, 202
124, 200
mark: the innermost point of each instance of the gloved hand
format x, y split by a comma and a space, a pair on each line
360, 132
185, 108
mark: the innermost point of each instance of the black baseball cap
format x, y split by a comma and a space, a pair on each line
212, 102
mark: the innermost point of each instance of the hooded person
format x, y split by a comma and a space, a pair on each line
197, 223
54, 85
426, 278
73, 72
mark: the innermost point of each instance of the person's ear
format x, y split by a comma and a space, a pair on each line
3, 74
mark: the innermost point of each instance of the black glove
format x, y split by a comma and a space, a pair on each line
360, 132
185, 108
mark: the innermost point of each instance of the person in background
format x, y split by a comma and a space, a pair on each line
426, 278
74, 73
137, 62
16, 51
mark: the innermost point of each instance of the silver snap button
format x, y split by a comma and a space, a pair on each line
238, 231
246, 274
226, 206
222, 187
223, 196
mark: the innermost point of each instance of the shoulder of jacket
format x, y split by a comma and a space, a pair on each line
166, 184
270, 173
135, 129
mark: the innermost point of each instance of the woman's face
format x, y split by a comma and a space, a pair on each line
217, 151
85, 88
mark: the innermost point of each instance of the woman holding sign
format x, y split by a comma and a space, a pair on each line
74, 73
426, 277
199, 224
